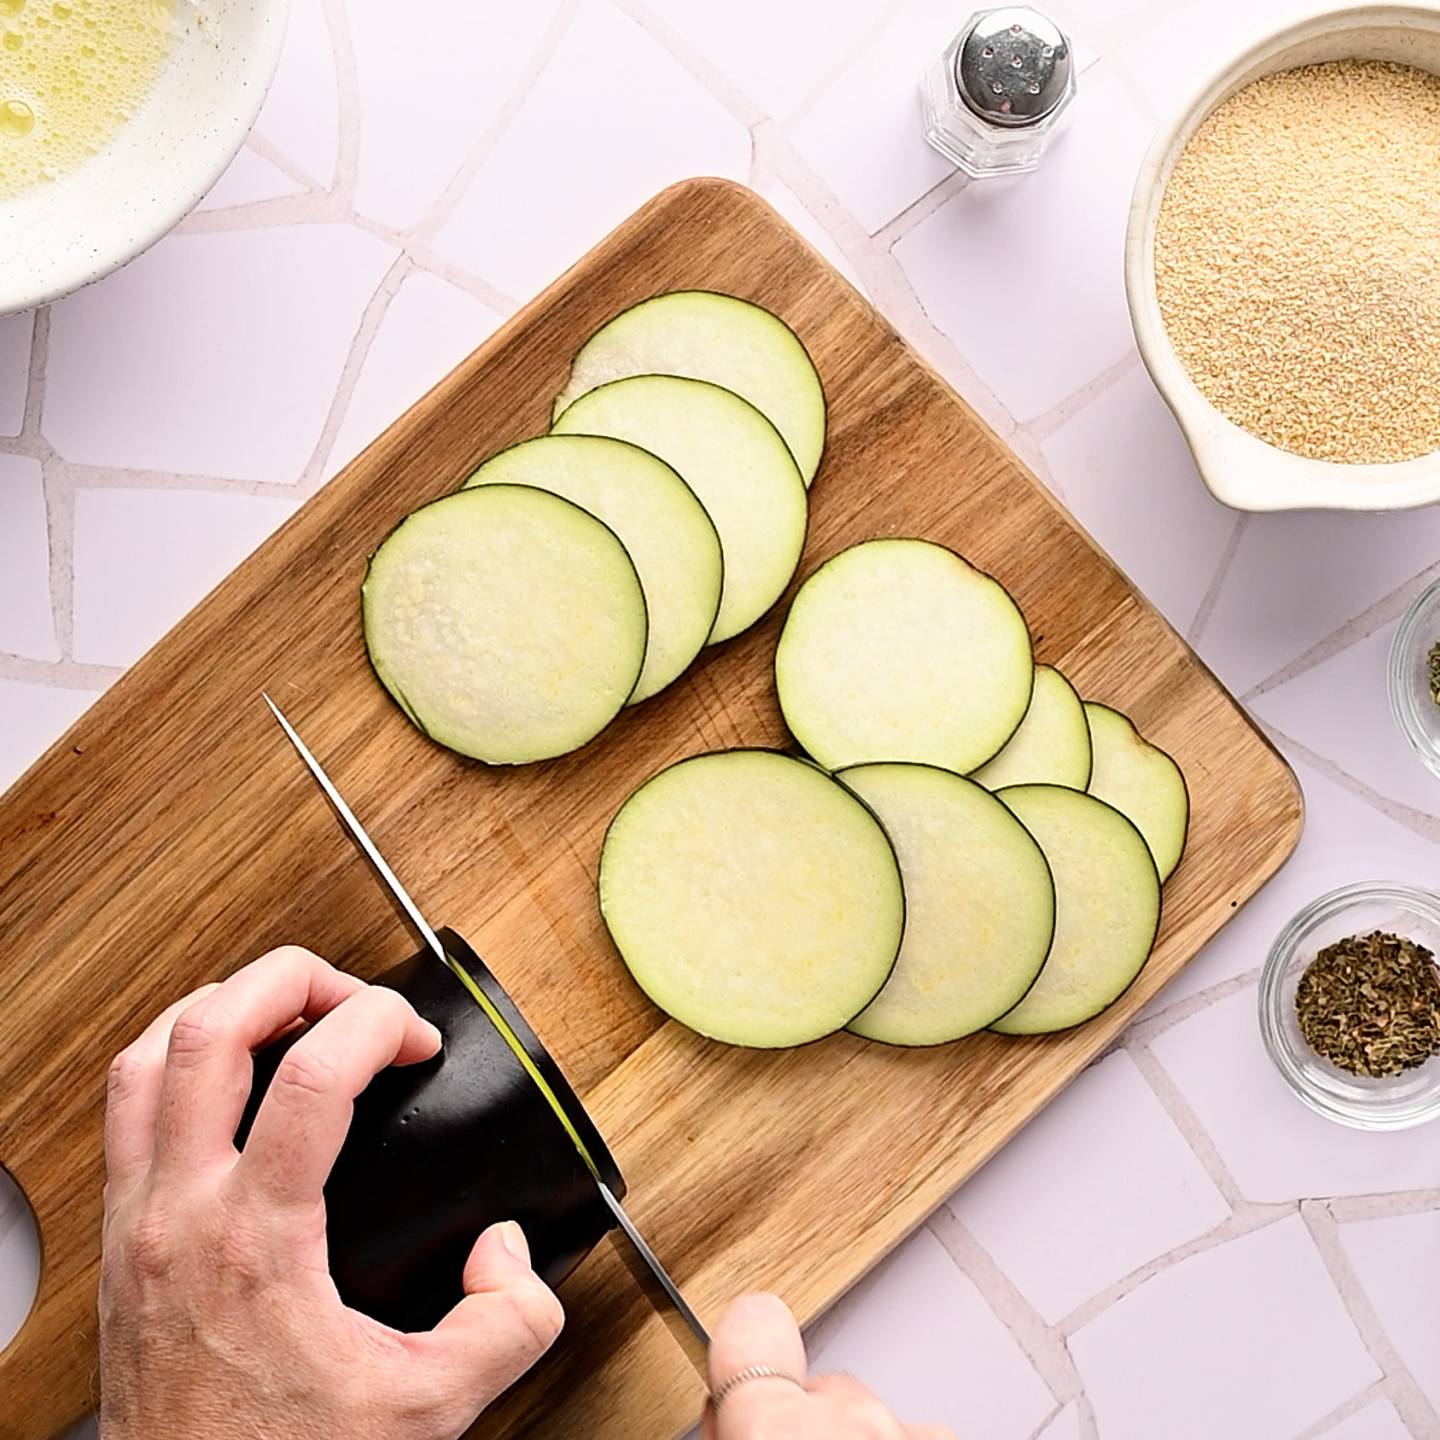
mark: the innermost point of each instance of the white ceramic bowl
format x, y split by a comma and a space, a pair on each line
159, 164
1241, 470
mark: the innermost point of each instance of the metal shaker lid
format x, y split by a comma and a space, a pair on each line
1013, 65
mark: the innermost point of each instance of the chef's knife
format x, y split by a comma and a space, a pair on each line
642, 1261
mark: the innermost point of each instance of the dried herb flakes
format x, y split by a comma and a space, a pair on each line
1432, 666
1370, 1004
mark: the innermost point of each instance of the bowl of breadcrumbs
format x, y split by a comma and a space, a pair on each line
1283, 266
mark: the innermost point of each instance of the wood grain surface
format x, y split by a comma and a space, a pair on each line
172, 835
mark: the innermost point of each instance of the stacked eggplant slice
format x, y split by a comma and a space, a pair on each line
584, 570
1031, 831
962, 843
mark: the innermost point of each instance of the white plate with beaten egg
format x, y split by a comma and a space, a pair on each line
116, 117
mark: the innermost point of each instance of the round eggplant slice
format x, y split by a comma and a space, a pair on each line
979, 905
1052, 745
752, 897
734, 460
508, 624
719, 338
654, 513
1141, 781
900, 650
1107, 906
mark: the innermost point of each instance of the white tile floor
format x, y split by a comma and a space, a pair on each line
427, 329
614, 117
917, 1321
1095, 1161
1176, 1248
248, 329
27, 623
144, 556
16, 332
1247, 1340
429, 92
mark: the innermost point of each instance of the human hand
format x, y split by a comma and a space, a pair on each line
218, 1316
757, 1330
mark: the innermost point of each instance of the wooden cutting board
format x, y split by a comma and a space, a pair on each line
172, 835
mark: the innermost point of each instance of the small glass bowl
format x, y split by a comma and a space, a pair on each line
1408, 677
1395, 1102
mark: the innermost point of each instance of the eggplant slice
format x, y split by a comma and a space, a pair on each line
901, 650
1107, 906
734, 460
752, 897
506, 622
654, 513
720, 338
979, 905
1052, 745
1141, 781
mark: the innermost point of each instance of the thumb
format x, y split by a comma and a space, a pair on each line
508, 1319
756, 1332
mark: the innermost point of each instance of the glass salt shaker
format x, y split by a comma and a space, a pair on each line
993, 98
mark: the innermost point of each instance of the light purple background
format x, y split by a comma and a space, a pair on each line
1176, 1249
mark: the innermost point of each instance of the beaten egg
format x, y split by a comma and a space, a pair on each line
72, 72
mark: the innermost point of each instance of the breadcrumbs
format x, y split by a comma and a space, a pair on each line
1297, 260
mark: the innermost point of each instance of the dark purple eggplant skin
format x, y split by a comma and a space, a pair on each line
437, 1152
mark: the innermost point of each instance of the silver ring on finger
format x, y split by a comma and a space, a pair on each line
745, 1376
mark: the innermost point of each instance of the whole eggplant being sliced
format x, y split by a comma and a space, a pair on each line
437, 1152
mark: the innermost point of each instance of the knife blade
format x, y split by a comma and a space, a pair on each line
659, 1287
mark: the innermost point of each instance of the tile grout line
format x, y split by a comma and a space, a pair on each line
1244, 1219
452, 274
1026, 448
1352, 632
1211, 597
100, 477
1425, 825
22, 445
35, 378
439, 211
1384, 1205
322, 208
1046, 1423
272, 154
1185, 1120
346, 175
1059, 415
1346, 1410
58, 493
60, 536
920, 209
314, 207
1042, 1344
774, 157
1415, 1409
59, 674
881, 274
365, 332
709, 77
1143, 1032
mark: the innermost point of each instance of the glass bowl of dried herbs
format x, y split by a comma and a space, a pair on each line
1350, 1006
1414, 676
